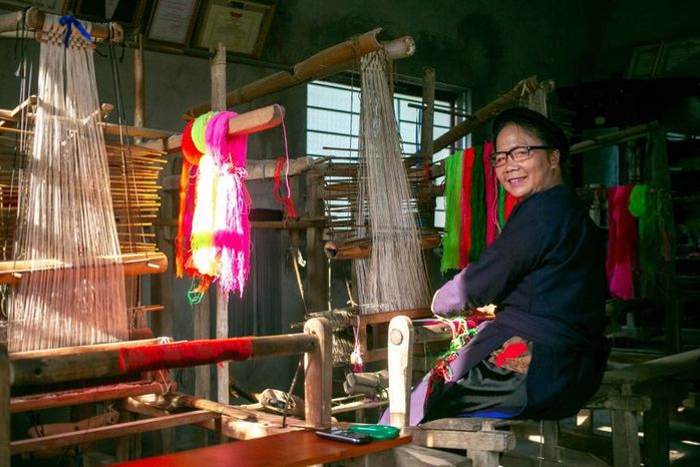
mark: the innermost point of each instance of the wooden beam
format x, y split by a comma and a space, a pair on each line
134, 264
99, 364
107, 432
328, 62
362, 248
478, 118
84, 396
34, 20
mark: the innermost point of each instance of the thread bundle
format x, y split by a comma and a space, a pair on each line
213, 240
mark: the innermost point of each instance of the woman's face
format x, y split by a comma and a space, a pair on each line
538, 173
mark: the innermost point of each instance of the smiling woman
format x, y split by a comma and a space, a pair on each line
544, 353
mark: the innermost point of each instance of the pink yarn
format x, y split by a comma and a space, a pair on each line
621, 262
226, 149
232, 226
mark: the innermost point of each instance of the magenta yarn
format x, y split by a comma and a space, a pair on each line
225, 148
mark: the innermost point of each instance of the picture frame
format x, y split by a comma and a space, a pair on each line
679, 58
57, 7
128, 13
171, 22
644, 62
242, 26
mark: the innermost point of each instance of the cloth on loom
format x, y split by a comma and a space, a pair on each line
621, 263
466, 206
474, 217
546, 274
654, 247
453, 215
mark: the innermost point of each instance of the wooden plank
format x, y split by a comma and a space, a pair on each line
685, 364
114, 431
485, 440
656, 433
316, 270
293, 449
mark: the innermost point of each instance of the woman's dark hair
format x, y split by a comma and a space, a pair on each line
536, 123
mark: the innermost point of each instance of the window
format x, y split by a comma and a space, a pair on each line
332, 131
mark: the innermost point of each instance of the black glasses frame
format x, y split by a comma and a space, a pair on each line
510, 154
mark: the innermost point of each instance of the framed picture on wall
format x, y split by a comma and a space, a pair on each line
126, 12
58, 7
644, 62
242, 26
172, 21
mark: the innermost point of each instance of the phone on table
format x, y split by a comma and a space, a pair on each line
345, 436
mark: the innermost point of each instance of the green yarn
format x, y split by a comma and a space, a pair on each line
453, 220
199, 128
643, 206
478, 207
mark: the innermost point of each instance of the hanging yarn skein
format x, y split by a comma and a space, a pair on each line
394, 276
231, 223
65, 214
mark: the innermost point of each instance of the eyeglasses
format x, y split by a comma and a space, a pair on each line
517, 154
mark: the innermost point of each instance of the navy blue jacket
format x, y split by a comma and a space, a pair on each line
546, 274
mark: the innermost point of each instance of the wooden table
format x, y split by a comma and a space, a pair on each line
296, 448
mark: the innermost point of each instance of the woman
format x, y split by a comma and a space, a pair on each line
544, 353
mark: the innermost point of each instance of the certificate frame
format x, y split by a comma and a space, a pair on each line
128, 13
242, 26
57, 7
172, 22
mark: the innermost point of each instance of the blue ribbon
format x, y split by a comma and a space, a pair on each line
68, 21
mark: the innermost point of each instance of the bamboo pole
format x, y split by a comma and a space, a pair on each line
522, 89
621, 136
34, 20
98, 364
134, 264
328, 62
218, 103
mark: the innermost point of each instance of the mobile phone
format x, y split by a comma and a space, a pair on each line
345, 436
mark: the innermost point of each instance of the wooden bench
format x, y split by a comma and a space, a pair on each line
296, 448
652, 388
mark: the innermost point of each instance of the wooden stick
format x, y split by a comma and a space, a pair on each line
84, 396
400, 359
114, 431
362, 248
100, 364
63, 351
318, 366
328, 62
34, 20
522, 89
621, 136
134, 265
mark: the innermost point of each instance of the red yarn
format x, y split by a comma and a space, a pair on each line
189, 150
465, 204
184, 354
511, 201
510, 352
285, 201
621, 262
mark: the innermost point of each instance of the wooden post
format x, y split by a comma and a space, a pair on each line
316, 272
5, 384
400, 362
318, 374
218, 103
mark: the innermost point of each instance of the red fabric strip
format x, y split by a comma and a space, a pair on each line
184, 354
465, 206
491, 183
511, 351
